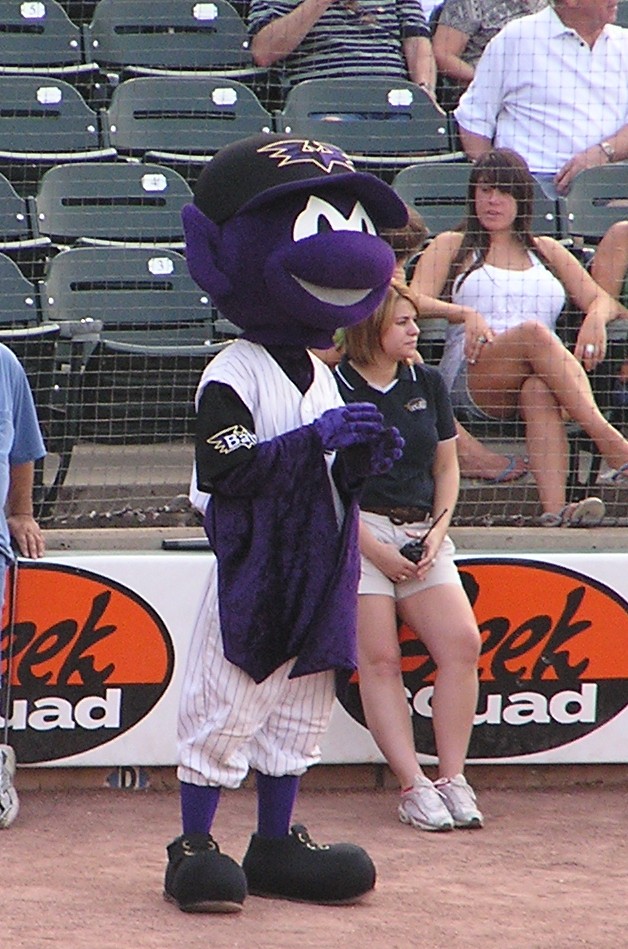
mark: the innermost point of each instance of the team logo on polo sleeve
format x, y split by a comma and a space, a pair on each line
232, 438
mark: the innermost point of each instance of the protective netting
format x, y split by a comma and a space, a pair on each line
108, 112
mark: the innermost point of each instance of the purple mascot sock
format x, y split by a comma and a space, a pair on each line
275, 801
198, 807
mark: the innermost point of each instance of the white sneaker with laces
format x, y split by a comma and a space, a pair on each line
9, 803
459, 798
423, 806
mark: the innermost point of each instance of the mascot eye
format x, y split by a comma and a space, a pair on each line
319, 217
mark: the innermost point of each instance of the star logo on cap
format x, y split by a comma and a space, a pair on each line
304, 151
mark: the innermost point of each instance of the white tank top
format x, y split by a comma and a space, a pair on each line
505, 298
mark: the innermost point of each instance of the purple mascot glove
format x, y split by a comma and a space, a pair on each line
385, 451
351, 424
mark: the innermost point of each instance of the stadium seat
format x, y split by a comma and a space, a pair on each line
19, 237
153, 37
52, 356
438, 191
382, 124
156, 338
112, 203
181, 121
20, 303
597, 198
44, 121
40, 39
144, 296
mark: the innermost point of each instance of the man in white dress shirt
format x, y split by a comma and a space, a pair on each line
553, 86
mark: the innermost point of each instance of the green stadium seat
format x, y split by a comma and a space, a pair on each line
181, 121
112, 203
156, 338
175, 37
39, 39
45, 121
382, 124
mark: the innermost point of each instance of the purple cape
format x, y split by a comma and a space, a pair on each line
287, 574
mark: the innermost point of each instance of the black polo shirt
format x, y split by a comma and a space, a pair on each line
418, 404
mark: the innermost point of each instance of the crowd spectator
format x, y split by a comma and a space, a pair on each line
476, 460
609, 268
552, 86
504, 290
313, 39
463, 29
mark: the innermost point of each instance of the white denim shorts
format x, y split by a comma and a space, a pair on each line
373, 580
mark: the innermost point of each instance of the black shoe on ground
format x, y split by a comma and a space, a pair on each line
296, 868
201, 879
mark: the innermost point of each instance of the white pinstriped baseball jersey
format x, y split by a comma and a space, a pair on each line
268, 393
227, 722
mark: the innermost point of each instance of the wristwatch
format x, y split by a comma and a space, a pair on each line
608, 150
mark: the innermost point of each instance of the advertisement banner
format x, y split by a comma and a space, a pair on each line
554, 661
92, 659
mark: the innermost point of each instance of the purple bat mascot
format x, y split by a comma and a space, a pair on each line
283, 236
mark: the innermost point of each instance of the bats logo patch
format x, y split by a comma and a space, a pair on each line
230, 439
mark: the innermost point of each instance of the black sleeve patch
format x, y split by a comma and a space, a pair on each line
225, 434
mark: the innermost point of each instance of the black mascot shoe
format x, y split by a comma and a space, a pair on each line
201, 879
296, 868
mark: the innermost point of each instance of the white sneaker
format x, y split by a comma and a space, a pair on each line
459, 798
9, 803
423, 806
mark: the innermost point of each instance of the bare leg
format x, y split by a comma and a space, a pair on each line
478, 461
443, 619
546, 438
530, 349
381, 686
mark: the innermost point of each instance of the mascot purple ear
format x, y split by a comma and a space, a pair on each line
202, 243
283, 235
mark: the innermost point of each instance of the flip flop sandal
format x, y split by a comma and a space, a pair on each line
586, 513
549, 519
620, 475
509, 473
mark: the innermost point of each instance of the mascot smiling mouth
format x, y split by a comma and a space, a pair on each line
337, 297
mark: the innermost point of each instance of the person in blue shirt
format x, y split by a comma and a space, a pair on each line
21, 444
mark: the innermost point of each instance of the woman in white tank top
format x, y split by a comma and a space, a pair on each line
503, 291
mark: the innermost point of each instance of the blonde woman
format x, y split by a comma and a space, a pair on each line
379, 367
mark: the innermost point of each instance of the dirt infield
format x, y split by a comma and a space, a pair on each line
83, 869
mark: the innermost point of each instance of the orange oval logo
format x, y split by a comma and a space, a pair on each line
89, 659
554, 662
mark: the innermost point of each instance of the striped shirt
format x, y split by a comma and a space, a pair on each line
352, 37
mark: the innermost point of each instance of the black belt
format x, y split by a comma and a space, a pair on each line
401, 515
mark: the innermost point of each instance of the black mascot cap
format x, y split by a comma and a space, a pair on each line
259, 169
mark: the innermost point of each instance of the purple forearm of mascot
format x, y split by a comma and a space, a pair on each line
283, 235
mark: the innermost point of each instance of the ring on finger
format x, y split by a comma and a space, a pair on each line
589, 349
482, 339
